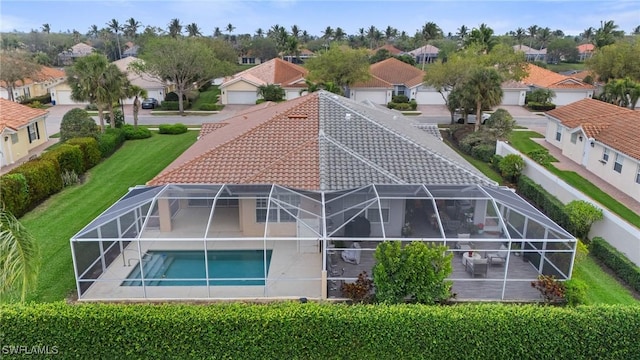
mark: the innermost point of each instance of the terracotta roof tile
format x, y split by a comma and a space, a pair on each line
274, 71
390, 48
393, 72
548, 79
210, 127
609, 124
15, 116
45, 73
586, 48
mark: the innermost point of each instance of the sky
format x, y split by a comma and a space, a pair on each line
572, 17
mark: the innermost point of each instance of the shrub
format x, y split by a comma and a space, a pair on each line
69, 178
541, 106
399, 106
213, 107
119, 117
131, 133
511, 167
616, 261
495, 162
500, 123
77, 123
541, 156
414, 104
206, 86
260, 101
69, 158
582, 215
110, 141
43, 179
551, 290
172, 129
473, 139
271, 92
43, 99
36, 105
540, 96
14, 193
173, 96
360, 290
90, 150
174, 105
549, 204
483, 152
400, 99
575, 292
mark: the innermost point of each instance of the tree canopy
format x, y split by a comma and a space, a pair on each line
16, 67
185, 62
340, 65
617, 61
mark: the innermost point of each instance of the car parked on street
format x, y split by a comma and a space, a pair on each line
471, 117
149, 103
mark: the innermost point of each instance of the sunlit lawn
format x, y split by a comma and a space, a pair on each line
54, 222
602, 287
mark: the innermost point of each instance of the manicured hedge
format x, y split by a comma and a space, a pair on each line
90, 150
172, 129
43, 179
616, 261
549, 204
131, 133
322, 331
174, 105
14, 193
110, 141
69, 158
211, 107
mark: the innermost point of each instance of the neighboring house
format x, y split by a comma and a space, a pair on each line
131, 50
567, 89
294, 198
21, 130
514, 93
601, 137
389, 77
61, 95
39, 85
532, 54
585, 51
300, 58
249, 59
390, 48
156, 88
76, 51
425, 54
242, 88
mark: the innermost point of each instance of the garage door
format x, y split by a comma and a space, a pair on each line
63, 97
376, 97
511, 97
429, 98
241, 97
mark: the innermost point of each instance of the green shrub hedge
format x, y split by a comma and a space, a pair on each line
549, 204
483, 152
211, 107
320, 331
540, 106
616, 261
172, 129
14, 193
43, 99
131, 133
174, 105
110, 141
69, 158
90, 150
43, 179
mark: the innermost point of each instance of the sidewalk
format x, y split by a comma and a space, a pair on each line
32, 153
564, 163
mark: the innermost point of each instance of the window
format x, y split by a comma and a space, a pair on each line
638, 175
34, 134
617, 167
277, 213
248, 60
605, 155
574, 138
558, 132
14, 138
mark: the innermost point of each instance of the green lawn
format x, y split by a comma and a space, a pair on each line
64, 214
602, 287
521, 140
484, 168
206, 97
566, 66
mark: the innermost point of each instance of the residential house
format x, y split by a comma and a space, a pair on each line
532, 54
156, 88
300, 58
131, 49
567, 89
585, 51
601, 137
290, 200
76, 51
390, 48
38, 85
425, 54
389, 77
249, 59
242, 88
22, 129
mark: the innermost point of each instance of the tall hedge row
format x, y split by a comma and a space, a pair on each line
549, 204
322, 331
91, 152
616, 261
69, 157
43, 179
14, 193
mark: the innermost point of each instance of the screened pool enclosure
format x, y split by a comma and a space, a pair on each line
186, 241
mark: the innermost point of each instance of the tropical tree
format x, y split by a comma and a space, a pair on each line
520, 35
616, 61
544, 35
93, 31
46, 28
533, 31
136, 92
175, 28
483, 88
339, 34
340, 65
587, 34
16, 67
114, 26
607, 34
218, 33
131, 27
19, 256
327, 34
185, 62
193, 30
636, 30
462, 33
622, 92
271, 92
295, 31
230, 28
483, 38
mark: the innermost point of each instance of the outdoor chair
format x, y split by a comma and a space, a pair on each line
352, 255
499, 257
478, 267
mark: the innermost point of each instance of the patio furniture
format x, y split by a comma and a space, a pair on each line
466, 257
352, 255
464, 245
451, 225
499, 257
478, 267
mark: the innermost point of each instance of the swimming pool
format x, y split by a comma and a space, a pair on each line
187, 268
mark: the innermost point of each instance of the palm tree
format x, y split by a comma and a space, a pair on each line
519, 35
483, 37
429, 32
19, 256
371, 35
114, 26
606, 34
76, 36
218, 33
193, 30
46, 28
483, 88
131, 28
230, 28
533, 31
390, 33
327, 34
295, 31
636, 30
175, 28
136, 92
339, 34
93, 31
544, 35
462, 33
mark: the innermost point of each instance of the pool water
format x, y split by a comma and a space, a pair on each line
187, 268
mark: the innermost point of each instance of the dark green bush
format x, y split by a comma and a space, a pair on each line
14, 193
173, 96
206, 86
43, 99
414, 104
90, 150
549, 204
400, 99
172, 129
110, 141
323, 331
541, 156
471, 140
616, 261
483, 152
575, 292
174, 105
119, 117
91, 107
260, 101
211, 107
131, 133
69, 158
77, 123
43, 178
541, 106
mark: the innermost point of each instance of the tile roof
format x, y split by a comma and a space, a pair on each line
586, 48
45, 73
311, 143
427, 49
15, 116
609, 124
391, 72
390, 48
548, 79
529, 50
274, 71
144, 80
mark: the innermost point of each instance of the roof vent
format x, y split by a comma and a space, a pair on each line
348, 117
